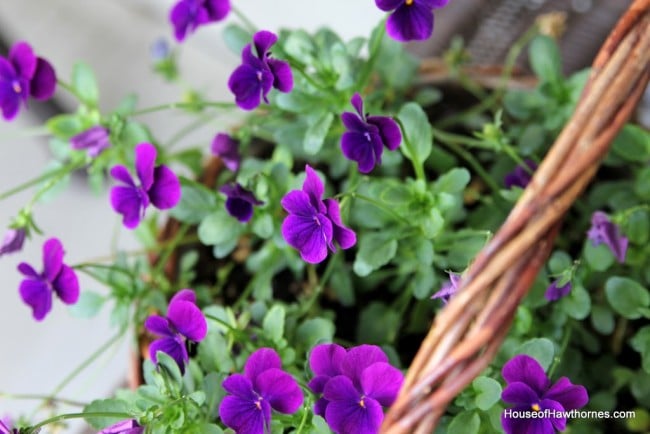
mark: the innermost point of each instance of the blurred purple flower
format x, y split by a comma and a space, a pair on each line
411, 19
158, 186
129, 426
366, 136
555, 292
13, 241
187, 15
159, 50
184, 321
240, 201
355, 385
520, 176
253, 79
94, 139
449, 288
313, 224
23, 75
529, 389
36, 289
7, 426
604, 231
227, 148
263, 386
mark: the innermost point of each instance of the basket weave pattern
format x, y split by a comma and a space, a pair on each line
468, 332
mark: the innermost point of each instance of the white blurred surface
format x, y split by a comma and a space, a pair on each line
114, 37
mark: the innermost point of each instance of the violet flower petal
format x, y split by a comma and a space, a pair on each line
188, 319
260, 361
391, 135
165, 192
317, 384
23, 59
226, 148
320, 406
527, 370
158, 325
558, 423
185, 295
570, 396
128, 202
37, 295
95, 139
240, 386
263, 40
66, 285
13, 241
124, 427
279, 389
364, 148
388, 5
410, 22
173, 348
297, 202
244, 416
27, 270
121, 173
353, 122
282, 75
217, 9
344, 236
325, 359
555, 292
145, 161
381, 382
604, 231
43, 84
357, 359
314, 187
520, 393
347, 411
52, 258
249, 84
309, 235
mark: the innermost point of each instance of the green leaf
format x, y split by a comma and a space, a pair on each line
197, 202
273, 323
626, 296
488, 392
559, 262
577, 304
341, 283
105, 406
602, 319
466, 422
421, 284
300, 46
418, 136
378, 324
169, 367
637, 227
236, 37
88, 305
85, 84
641, 344
64, 126
642, 184
219, 228
453, 181
632, 144
544, 57
375, 249
599, 257
134, 133
541, 349
315, 134
263, 226
314, 331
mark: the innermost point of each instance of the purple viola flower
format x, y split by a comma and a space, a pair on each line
187, 15
355, 385
604, 231
366, 136
313, 224
227, 148
263, 386
7, 426
158, 186
13, 241
411, 19
239, 202
36, 289
253, 79
448, 289
129, 426
530, 390
94, 139
184, 321
24, 75
520, 176
555, 291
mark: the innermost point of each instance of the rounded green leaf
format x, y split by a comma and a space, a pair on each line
488, 392
541, 349
626, 296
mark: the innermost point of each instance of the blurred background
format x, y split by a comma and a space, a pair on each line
115, 38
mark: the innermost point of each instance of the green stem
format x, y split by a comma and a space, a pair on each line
563, 346
69, 88
170, 247
319, 284
303, 421
24, 133
373, 50
35, 429
44, 177
458, 139
43, 398
418, 166
379, 205
474, 164
184, 105
244, 19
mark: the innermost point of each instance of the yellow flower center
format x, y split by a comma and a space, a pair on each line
16, 87
409, 2
362, 404
535, 407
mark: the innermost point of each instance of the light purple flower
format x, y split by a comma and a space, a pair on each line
129, 426
604, 231
158, 186
184, 321
313, 224
253, 79
366, 136
555, 292
355, 385
449, 288
23, 75
187, 15
7, 426
263, 386
13, 241
520, 176
411, 19
227, 148
529, 389
94, 139
36, 289
239, 202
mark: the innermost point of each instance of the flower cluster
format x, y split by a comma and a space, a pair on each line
187, 15
604, 231
410, 19
94, 140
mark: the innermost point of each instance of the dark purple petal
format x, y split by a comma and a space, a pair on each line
348, 411
344, 236
353, 122
279, 389
325, 360
66, 285
121, 173
357, 103
52, 258
388, 5
410, 22
128, 202
297, 202
357, 359
27, 270
23, 59
217, 9
559, 423
186, 16
13, 241
570, 396
185, 295
165, 192
260, 361
364, 148
381, 382
520, 394
525, 369
226, 148
240, 201
309, 235
245, 416
173, 347
391, 135
512, 425
320, 407
240, 386
263, 40
145, 161
38, 295
249, 84
282, 75
43, 83
520, 176
158, 325
555, 292
436, 3
314, 187
124, 427
9, 100
448, 289
317, 384
94, 139
188, 320
604, 231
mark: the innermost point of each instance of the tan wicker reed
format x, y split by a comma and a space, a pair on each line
467, 333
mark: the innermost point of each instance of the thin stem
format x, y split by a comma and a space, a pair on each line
474, 164
303, 421
244, 19
459, 139
69, 88
379, 205
44, 177
170, 248
43, 398
184, 105
24, 133
319, 284
372, 57
418, 166
563, 346
35, 429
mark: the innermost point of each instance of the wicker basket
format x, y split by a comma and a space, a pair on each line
468, 332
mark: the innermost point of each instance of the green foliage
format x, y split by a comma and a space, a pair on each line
84, 84
627, 297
